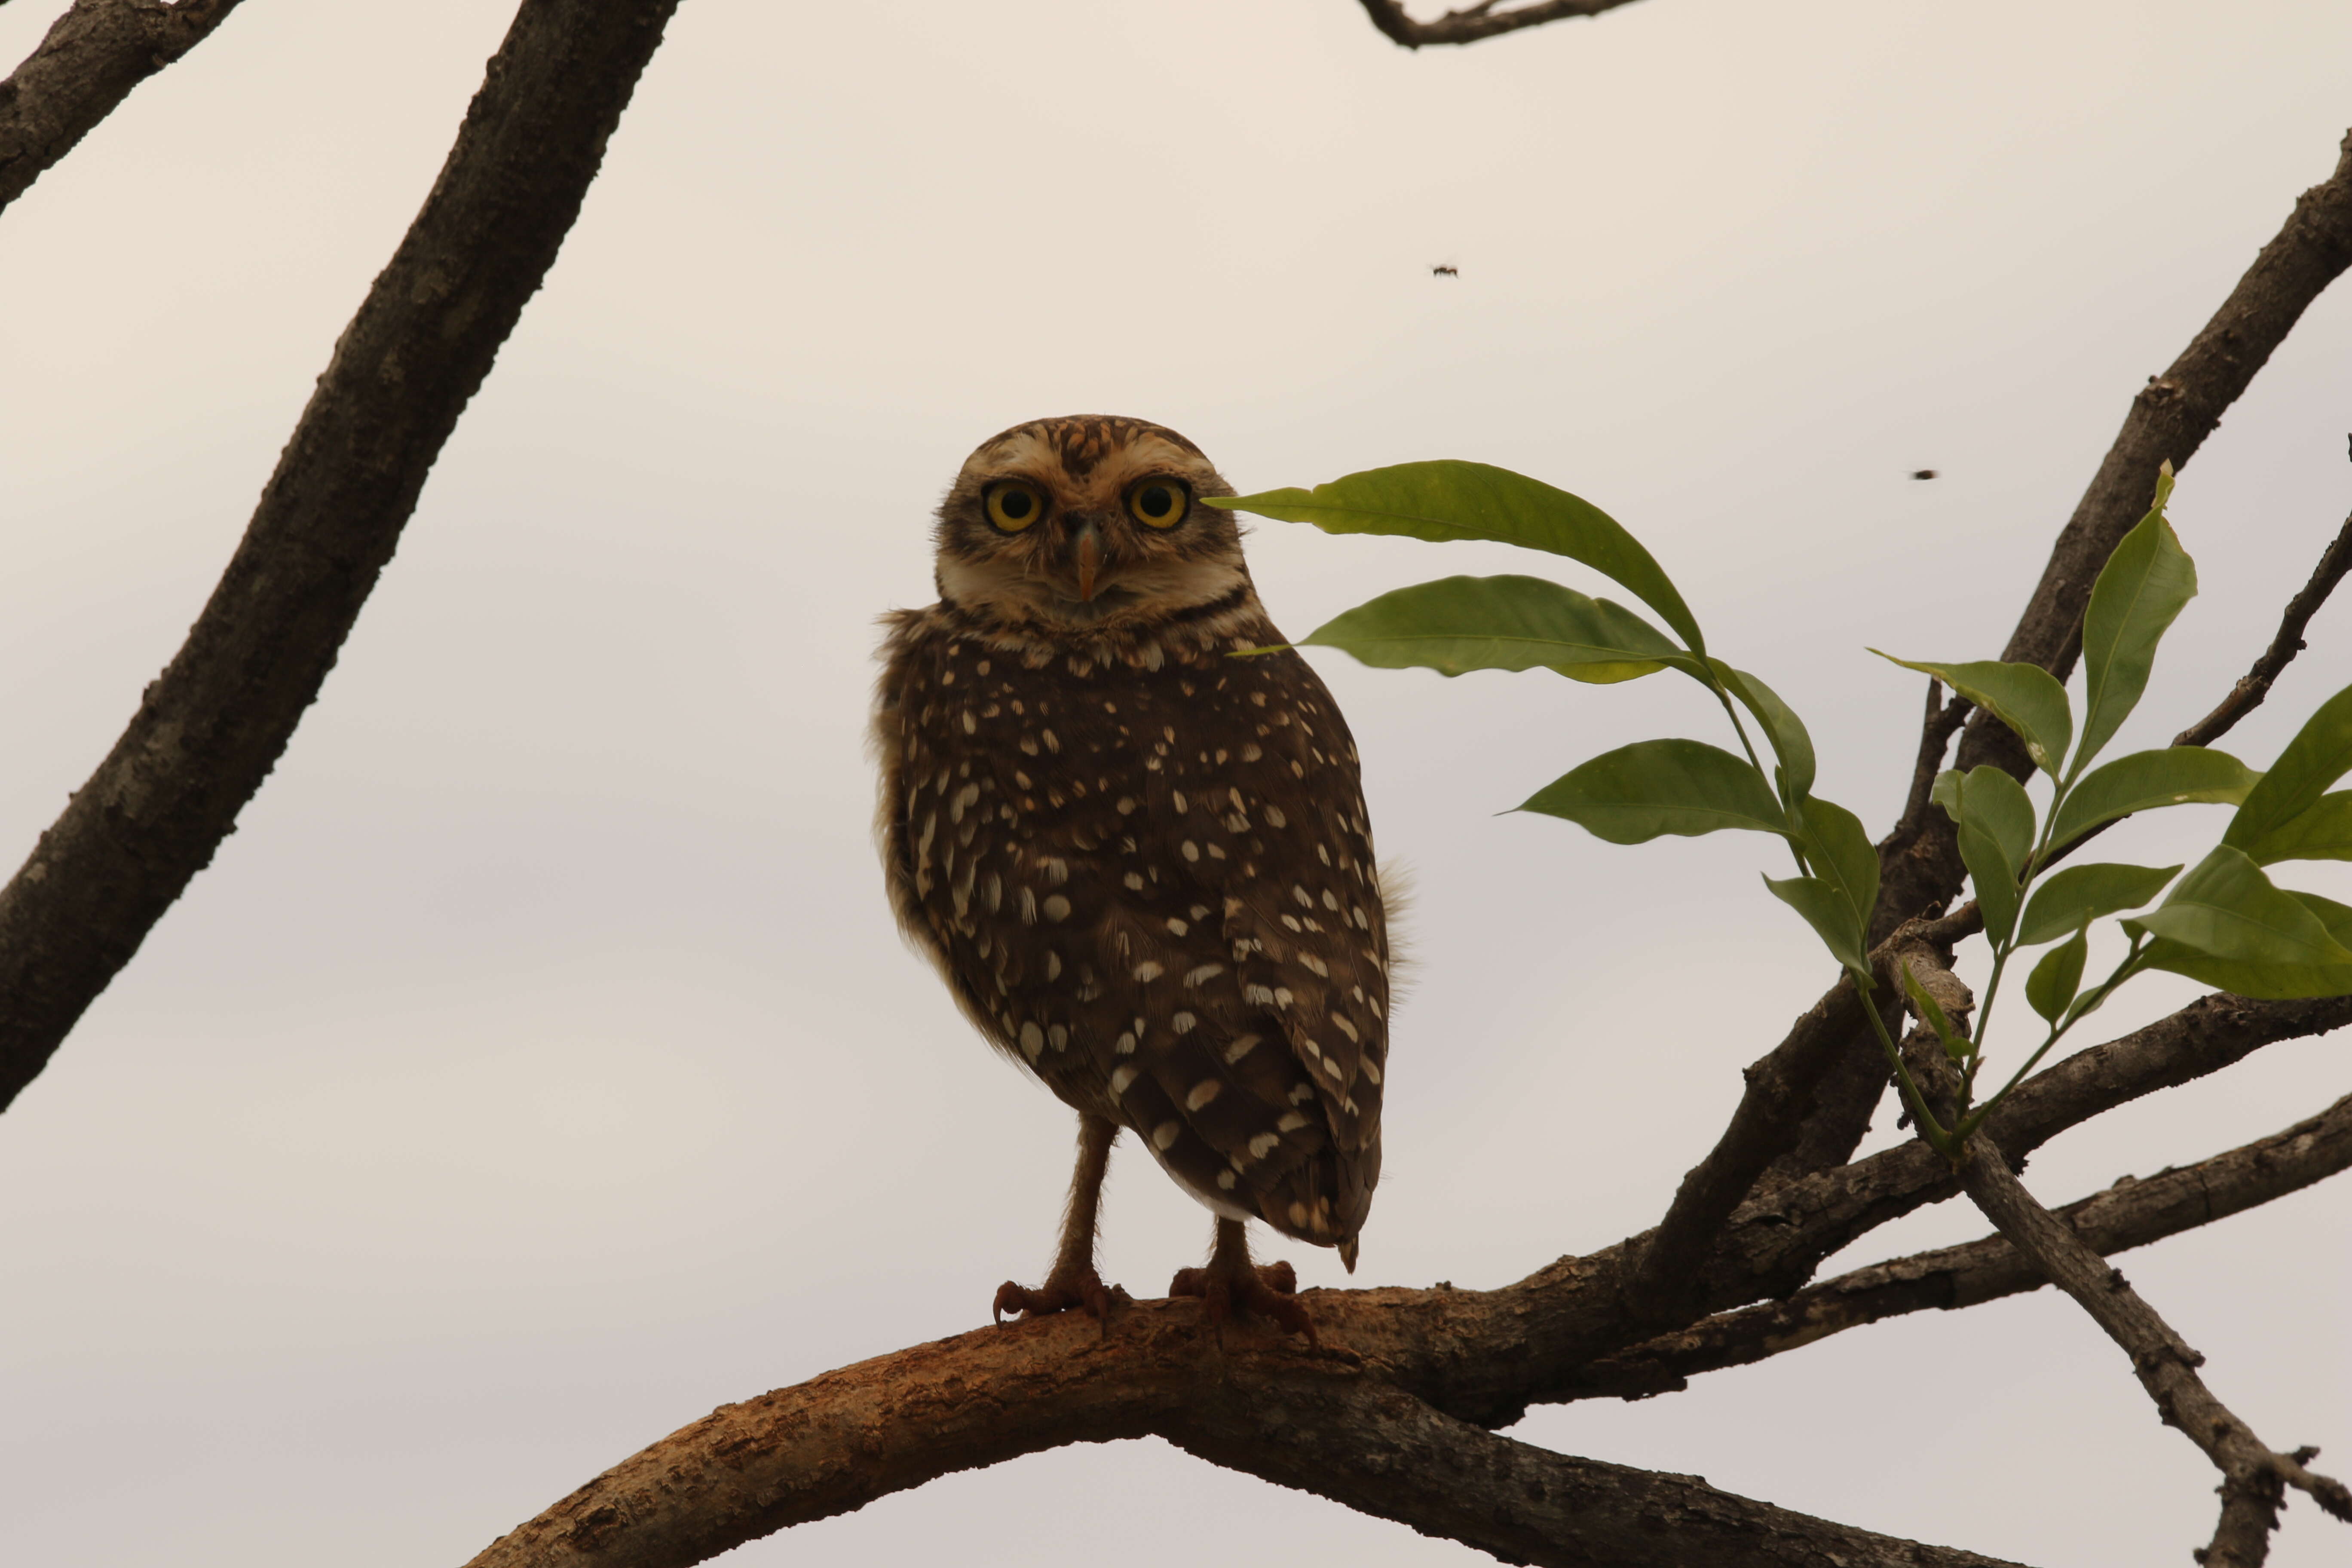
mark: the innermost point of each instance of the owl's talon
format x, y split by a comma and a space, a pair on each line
1268, 1290
1085, 1291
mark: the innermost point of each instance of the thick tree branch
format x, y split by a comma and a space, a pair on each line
1318, 1422
2248, 694
1472, 23
1662, 1286
2132, 1213
210, 729
1919, 860
1475, 1357
89, 62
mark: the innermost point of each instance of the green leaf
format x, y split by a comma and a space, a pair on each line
2142, 781
2025, 697
2318, 755
2227, 925
2324, 832
2144, 585
1831, 914
2335, 917
2073, 898
1996, 822
1651, 788
1842, 855
2051, 985
1461, 624
1791, 742
1453, 500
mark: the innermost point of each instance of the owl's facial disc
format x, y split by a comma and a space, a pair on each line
1085, 525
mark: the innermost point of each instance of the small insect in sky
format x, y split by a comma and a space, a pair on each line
1445, 270
1923, 473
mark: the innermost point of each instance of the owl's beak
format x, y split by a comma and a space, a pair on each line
1085, 553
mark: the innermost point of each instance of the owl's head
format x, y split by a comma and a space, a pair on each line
1087, 524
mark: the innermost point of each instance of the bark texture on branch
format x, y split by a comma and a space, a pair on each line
2132, 1213
1324, 1422
1472, 23
89, 62
212, 726
1460, 1360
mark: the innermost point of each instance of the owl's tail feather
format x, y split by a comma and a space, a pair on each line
1348, 1252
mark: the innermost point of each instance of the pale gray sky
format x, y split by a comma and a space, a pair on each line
538, 1066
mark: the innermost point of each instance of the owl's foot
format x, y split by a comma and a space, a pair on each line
1268, 1290
1081, 1288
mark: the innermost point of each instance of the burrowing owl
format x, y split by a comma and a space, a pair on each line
1141, 862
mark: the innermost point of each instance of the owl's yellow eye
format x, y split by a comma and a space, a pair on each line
1159, 503
1013, 506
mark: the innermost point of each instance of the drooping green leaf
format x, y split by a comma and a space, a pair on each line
2319, 755
1652, 788
1460, 624
2072, 897
1996, 822
2144, 585
1791, 742
1453, 500
1830, 912
1842, 855
2051, 985
2226, 924
2324, 832
2025, 697
2142, 781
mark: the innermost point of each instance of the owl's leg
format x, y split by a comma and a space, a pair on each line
1073, 1283
1231, 1283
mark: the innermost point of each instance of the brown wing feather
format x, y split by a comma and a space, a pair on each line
1150, 880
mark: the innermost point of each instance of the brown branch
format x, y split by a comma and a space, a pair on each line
2248, 694
1473, 23
209, 730
1919, 860
1301, 1420
2132, 1213
89, 62
2254, 1474
1663, 1285
2166, 1366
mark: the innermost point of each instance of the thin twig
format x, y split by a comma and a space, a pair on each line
2132, 1213
2165, 1364
1473, 23
2248, 694
88, 62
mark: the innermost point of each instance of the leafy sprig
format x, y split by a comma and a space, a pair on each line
2224, 922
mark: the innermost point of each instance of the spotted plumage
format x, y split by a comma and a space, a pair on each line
1136, 851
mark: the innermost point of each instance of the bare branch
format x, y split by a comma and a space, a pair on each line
1472, 23
89, 62
2132, 1213
1320, 1422
1663, 1284
2248, 694
2164, 1363
209, 730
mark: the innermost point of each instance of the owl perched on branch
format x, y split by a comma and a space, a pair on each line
1141, 862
